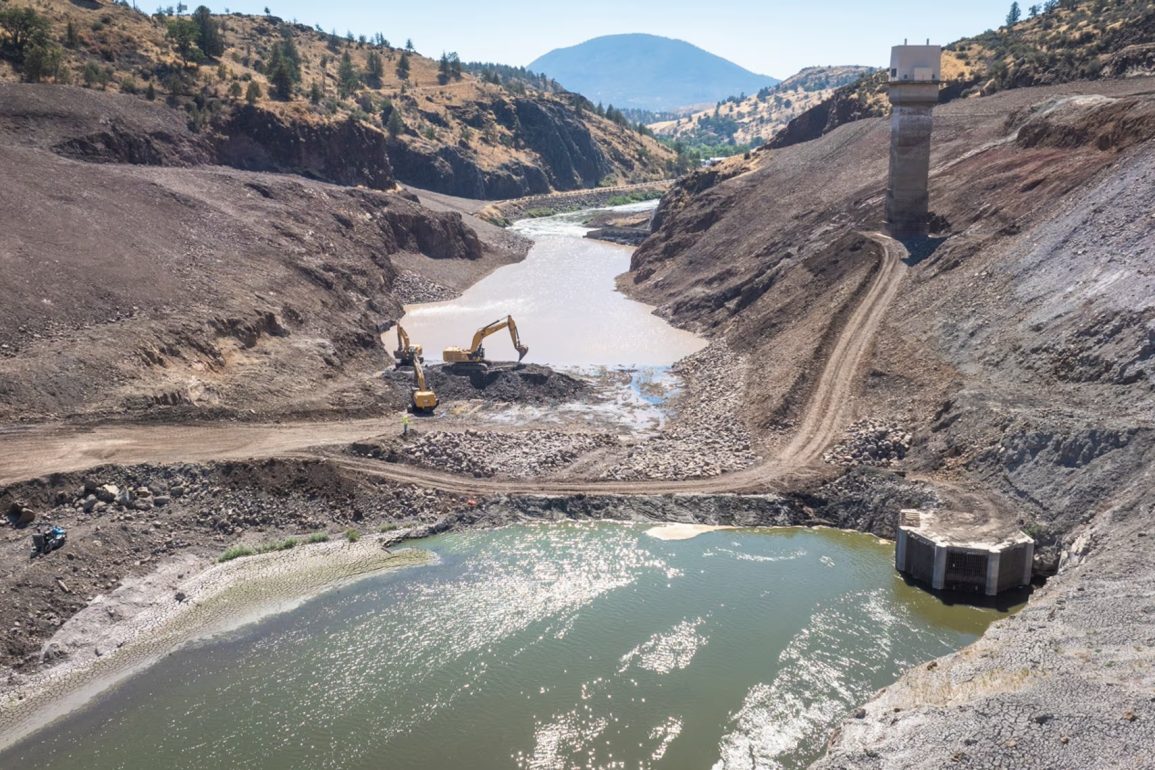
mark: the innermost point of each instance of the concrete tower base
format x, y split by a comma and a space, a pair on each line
911, 121
932, 552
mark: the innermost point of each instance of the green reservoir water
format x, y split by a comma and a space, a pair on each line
538, 646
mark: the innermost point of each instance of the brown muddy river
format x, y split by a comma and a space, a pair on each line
563, 298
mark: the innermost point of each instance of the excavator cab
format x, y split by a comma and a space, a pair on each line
475, 353
423, 399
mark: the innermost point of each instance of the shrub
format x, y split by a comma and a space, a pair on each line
318, 537
352, 535
236, 552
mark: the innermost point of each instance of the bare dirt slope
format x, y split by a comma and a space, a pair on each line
1020, 352
203, 290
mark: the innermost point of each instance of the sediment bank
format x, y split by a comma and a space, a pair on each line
187, 599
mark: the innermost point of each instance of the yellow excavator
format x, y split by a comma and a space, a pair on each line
424, 400
406, 353
475, 354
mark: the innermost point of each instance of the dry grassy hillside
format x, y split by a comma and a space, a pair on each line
452, 133
1064, 41
755, 119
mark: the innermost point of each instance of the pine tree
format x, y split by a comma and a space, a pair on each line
281, 79
443, 69
1014, 14
394, 125
209, 38
403, 66
346, 76
252, 93
374, 69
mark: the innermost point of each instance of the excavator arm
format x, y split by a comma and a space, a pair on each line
475, 353
406, 352
493, 328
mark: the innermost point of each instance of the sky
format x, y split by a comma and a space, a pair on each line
771, 37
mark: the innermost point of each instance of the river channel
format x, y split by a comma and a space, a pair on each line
563, 299
538, 646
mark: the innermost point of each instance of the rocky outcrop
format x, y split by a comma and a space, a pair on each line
568, 156
347, 152
456, 171
97, 127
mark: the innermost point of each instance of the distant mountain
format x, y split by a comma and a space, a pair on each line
647, 72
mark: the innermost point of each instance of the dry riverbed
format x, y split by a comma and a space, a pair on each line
687, 424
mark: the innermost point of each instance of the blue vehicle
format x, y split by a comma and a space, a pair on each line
49, 540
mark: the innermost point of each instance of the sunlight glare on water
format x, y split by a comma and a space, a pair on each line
538, 646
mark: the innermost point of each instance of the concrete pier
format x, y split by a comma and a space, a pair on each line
913, 91
930, 551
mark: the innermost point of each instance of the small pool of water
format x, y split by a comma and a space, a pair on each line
564, 301
538, 646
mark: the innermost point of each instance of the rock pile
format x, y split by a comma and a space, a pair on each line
485, 454
410, 288
870, 442
707, 436
522, 384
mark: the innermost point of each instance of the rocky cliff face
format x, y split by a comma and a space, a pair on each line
345, 152
565, 153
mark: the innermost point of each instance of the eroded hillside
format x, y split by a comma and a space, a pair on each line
1020, 353
150, 284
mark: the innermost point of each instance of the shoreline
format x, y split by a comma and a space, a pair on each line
147, 619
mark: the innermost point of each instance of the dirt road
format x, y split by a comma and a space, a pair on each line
32, 451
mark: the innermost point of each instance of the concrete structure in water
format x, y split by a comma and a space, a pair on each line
931, 552
913, 88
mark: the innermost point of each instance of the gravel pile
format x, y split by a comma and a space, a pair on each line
870, 442
484, 454
410, 288
707, 436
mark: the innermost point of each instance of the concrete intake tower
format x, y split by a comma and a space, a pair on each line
913, 90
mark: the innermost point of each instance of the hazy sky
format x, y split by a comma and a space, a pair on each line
772, 37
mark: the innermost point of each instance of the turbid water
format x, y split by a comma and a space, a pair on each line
565, 304
538, 646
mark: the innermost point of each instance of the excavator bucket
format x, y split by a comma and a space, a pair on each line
521, 351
